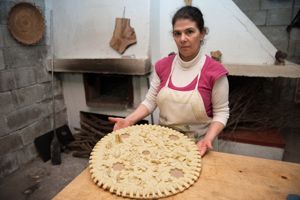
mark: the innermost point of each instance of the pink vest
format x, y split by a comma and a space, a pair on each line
211, 71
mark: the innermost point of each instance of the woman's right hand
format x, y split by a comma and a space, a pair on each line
204, 145
119, 122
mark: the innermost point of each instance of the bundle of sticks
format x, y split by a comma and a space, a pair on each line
91, 131
252, 108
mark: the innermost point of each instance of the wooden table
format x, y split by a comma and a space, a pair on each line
223, 176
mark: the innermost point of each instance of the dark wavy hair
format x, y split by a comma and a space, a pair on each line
192, 13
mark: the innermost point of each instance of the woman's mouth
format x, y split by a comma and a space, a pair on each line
185, 47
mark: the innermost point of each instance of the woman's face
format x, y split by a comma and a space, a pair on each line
188, 38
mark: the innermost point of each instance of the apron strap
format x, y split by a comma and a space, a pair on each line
198, 78
171, 72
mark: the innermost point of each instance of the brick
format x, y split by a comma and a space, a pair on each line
27, 96
2, 63
4, 130
9, 41
281, 45
7, 80
247, 5
24, 77
59, 104
26, 154
297, 49
5, 6
295, 59
295, 34
258, 17
36, 129
6, 103
270, 4
47, 88
42, 75
279, 17
295, 10
25, 116
28, 1
292, 48
24, 56
8, 164
10, 143
61, 118
2, 36
275, 33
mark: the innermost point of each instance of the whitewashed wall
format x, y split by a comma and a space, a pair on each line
83, 29
230, 31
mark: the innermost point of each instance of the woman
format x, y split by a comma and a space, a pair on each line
189, 88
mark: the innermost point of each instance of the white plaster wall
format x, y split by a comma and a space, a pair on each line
83, 29
230, 31
155, 25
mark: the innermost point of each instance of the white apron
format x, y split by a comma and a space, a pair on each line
183, 110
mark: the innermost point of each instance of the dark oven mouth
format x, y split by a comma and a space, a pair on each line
108, 90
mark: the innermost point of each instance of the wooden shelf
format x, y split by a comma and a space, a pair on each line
289, 70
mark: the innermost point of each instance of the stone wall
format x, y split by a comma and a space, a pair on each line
25, 95
272, 17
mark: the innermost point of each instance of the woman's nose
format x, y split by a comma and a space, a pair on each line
183, 37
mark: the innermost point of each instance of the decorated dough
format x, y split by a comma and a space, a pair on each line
145, 161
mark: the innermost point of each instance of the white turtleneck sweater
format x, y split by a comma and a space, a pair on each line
182, 75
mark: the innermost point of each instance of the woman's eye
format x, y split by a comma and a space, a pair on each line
189, 32
176, 33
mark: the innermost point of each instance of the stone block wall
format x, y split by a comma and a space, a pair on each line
25, 95
272, 17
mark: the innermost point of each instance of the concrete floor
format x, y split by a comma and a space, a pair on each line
42, 181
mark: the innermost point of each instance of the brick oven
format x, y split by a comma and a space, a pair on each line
103, 86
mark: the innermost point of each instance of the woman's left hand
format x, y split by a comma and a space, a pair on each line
204, 145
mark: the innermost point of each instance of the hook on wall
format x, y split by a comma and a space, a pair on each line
188, 2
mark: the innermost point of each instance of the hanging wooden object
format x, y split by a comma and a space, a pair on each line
123, 36
26, 23
188, 2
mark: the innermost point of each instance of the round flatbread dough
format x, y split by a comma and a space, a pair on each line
145, 161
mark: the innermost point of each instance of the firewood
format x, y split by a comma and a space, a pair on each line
97, 126
81, 154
